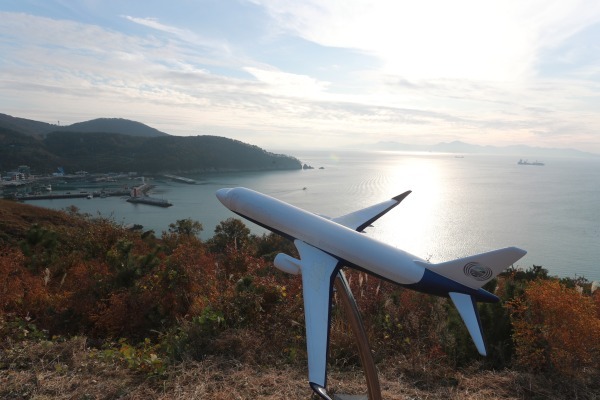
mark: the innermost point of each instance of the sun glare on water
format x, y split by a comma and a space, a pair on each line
409, 226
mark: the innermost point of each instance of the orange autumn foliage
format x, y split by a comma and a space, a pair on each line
596, 299
21, 291
555, 329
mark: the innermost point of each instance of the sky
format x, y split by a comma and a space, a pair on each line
285, 74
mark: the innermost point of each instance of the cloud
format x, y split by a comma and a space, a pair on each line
287, 84
182, 34
183, 81
465, 39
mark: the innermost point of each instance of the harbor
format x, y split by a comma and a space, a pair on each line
73, 187
80, 195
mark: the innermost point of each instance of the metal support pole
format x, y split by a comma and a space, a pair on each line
362, 342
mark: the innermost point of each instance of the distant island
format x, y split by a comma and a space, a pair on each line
113, 145
459, 147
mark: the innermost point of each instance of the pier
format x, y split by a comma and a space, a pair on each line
151, 201
139, 196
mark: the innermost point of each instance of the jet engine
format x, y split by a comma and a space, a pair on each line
287, 264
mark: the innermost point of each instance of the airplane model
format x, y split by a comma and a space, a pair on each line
326, 245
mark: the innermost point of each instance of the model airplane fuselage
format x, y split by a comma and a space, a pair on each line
325, 245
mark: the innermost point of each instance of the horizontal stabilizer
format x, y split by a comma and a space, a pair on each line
467, 308
475, 271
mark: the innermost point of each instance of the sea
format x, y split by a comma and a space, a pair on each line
459, 205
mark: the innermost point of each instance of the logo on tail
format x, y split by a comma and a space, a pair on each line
477, 271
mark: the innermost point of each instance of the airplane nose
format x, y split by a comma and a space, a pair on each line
223, 196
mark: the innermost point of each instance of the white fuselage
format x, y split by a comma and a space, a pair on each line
339, 241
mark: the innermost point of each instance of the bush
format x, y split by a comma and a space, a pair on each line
556, 329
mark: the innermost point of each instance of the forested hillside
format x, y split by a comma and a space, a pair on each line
20, 149
107, 125
114, 125
25, 126
111, 152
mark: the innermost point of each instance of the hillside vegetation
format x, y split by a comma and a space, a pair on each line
25, 126
112, 152
114, 125
108, 125
89, 309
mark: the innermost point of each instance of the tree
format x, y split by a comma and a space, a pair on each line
269, 245
187, 227
231, 233
40, 245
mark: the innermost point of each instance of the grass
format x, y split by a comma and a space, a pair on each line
71, 369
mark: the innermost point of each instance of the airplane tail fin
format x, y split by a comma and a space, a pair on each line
475, 271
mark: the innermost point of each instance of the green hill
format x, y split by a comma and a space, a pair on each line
115, 125
22, 149
112, 152
103, 152
107, 125
25, 126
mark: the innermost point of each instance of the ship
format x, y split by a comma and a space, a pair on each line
525, 162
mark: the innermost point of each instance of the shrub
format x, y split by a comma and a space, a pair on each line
556, 329
21, 291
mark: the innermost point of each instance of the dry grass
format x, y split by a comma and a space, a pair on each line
65, 370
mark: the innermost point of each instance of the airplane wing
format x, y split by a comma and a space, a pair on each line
359, 220
318, 273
